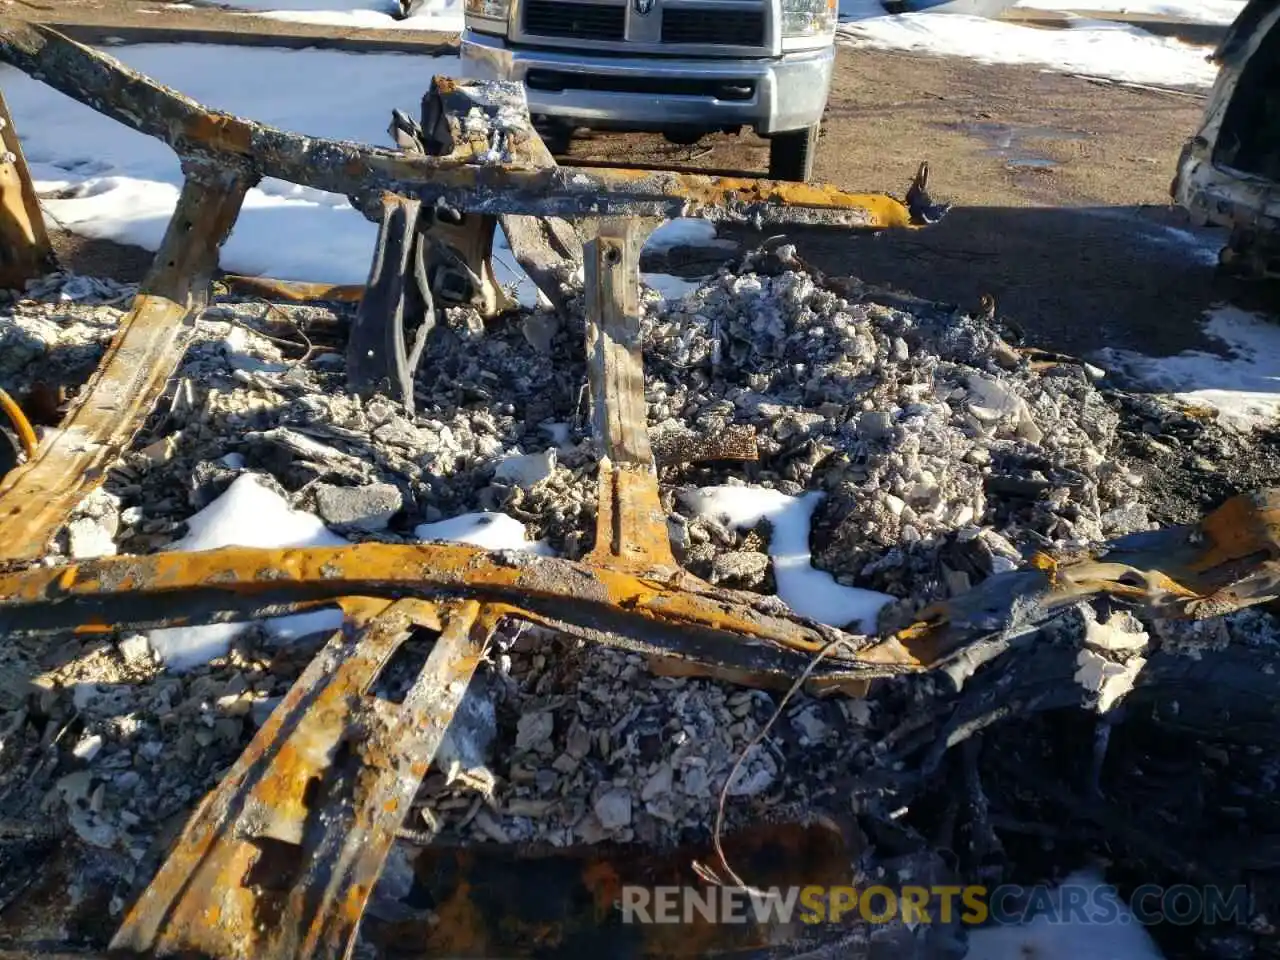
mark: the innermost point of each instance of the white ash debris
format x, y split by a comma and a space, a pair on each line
244, 402
94, 525
140, 745
1110, 661
57, 330
1107, 680
915, 429
593, 746
929, 434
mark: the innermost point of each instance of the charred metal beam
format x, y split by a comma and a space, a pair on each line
38, 496
631, 526
281, 858
683, 618
377, 357
24, 243
1228, 561
481, 185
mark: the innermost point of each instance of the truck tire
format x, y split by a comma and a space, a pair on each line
791, 155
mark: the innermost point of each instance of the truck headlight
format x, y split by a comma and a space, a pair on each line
488, 9
806, 18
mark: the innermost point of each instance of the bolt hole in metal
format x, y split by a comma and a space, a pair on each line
402, 668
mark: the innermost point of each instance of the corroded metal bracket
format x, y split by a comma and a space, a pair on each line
378, 359
631, 526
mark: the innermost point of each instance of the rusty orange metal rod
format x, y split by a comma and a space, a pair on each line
677, 615
21, 425
1228, 560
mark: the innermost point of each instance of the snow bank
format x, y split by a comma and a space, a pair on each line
1111, 50
124, 185
809, 592
248, 514
687, 232
1244, 388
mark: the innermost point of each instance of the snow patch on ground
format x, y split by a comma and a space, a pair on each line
443, 16
809, 592
1244, 388
1097, 48
248, 514
1204, 11
492, 531
685, 232
1101, 926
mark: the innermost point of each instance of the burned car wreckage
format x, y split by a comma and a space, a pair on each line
933, 440
1229, 171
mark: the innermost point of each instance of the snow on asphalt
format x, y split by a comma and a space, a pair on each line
1096, 48
1243, 386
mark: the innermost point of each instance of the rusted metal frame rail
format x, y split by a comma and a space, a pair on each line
631, 526
288, 847
669, 613
1229, 560
364, 171
36, 499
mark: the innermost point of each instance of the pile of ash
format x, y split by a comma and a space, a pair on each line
908, 452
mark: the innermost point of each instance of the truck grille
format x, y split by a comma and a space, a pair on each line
584, 21
738, 29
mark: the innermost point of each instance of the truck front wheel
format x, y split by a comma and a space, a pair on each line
791, 155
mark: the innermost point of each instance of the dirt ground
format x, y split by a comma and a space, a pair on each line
1060, 184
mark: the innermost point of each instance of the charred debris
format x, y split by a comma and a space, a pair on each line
789, 581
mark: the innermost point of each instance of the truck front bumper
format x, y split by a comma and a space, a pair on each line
773, 95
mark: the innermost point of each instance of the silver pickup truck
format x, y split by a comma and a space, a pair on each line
681, 67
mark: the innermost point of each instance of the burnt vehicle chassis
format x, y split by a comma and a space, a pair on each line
281, 858
1228, 172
